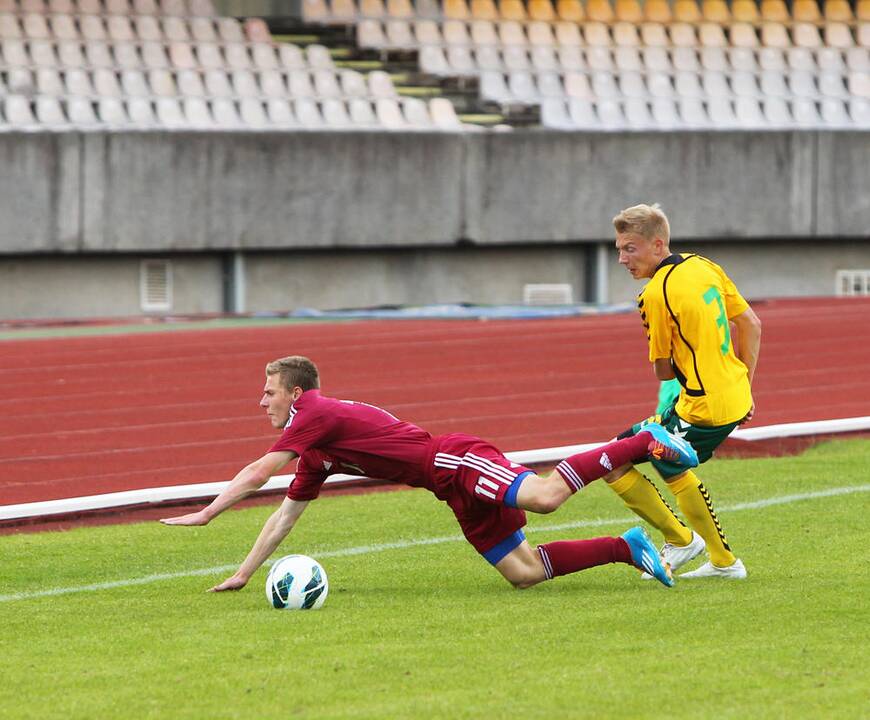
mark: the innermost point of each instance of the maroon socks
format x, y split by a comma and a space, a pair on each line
568, 556
582, 469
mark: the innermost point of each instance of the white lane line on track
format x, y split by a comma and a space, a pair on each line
404, 544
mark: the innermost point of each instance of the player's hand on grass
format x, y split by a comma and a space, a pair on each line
195, 518
236, 582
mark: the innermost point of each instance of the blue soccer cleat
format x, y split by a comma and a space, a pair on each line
670, 448
645, 556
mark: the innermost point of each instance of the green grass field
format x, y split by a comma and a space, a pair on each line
429, 630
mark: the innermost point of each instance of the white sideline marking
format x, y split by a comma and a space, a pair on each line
158, 495
404, 544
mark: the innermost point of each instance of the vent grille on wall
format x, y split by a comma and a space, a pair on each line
548, 294
852, 282
155, 285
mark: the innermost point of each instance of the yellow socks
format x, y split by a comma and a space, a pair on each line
694, 502
639, 494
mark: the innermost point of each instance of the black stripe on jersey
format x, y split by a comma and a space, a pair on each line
681, 376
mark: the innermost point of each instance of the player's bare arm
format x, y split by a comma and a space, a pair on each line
276, 528
663, 369
747, 345
250, 479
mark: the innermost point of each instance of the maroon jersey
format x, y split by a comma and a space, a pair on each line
341, 436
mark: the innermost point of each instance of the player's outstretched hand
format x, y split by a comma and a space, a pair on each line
232, 583
195, 518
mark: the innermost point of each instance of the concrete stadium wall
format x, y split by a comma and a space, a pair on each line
177, 192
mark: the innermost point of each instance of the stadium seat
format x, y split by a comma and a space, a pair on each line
427, 32
721, 112
515, 59
834, 113
111, 113
656, 59
554, 115
771, 59
63, 7
522, 87
133, 84
335, 114
628, 59
89, 7
775, 11
688, 84
550, 85
841, 11
400, 9
716, 11
154, 55
494, 88
370, 34
682, 35
628, 11
197, 114
161, 83
686, 11
236, 56
106, 83
805, 112
244, 84
858, 59
599, 58
711, 35
775, 35
456, 10
432, 61
599, 11
772, 84
745, 11
743, 35
577, 86
658, 11
582, 113
416, 114
483, 10
859, 110
201, 8
78, 82
81, 112
512, 10
49, 112
141, 113
428, 9
864, 34
686, 59
225, 114
802, 84
571, 58
389, 114
570, 11
801, 59
70, 55
715, 85
264, 57
744, 84
748, 112
568, 35
631, 85
31, 6
637, 114
230, 30
664, 114
169, 114
63, 27
541, 10
830, 59
831, 85
146, 27
190, 83
776, 112
48, 82
859, 84
806, 11
487, 57
461, 61
298, 83
291, 57
353, 84
806, 35
203, 30
307, 113
625, 35
541, 33
838, 35
217, 84
660, 85
41, 53
597, 34
280, 114
742, 59
399, 35
253, 114
655, 35
272, 84
610, 114
544, 59
175, 29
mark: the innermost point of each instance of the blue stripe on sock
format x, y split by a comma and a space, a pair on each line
510, 497
504, 547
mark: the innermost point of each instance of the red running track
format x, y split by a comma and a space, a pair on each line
87, 415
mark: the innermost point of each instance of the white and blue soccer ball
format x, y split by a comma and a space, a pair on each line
296, 582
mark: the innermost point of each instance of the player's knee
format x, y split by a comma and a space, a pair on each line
550, 496
527, 579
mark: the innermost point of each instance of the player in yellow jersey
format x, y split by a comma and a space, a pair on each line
688, 309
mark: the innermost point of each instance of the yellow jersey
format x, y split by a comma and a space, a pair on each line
686, 307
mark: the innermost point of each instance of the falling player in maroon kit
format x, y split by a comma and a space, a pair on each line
487, 492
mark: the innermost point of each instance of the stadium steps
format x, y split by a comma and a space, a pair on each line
404, 69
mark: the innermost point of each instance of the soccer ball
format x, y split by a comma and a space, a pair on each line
296, 582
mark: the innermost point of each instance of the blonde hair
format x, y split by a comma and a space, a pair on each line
648, 221
295, 371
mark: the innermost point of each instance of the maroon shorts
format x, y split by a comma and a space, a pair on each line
473, 478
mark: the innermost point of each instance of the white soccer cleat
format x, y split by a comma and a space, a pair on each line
735, 571
676, 555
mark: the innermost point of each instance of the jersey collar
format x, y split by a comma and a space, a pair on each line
672, 259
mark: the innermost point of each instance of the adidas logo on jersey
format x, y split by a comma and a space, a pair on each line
604, 461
